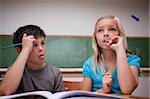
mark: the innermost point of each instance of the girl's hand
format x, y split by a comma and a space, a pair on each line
107, 83
27, 42
115, 43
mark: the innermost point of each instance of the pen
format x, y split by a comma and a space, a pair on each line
10, 46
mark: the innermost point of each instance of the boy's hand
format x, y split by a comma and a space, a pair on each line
27, 42
107, 82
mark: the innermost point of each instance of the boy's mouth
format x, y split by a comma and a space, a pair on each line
41, 56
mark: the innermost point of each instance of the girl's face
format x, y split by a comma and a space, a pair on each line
37, 55
106, 29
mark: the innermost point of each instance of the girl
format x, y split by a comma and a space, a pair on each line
112, 68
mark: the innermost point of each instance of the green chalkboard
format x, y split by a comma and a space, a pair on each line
140, 47
71, 51
7, 55
68, 51
63, 52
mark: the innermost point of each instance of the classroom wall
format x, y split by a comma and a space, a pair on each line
0, 17
143, 87
73, 17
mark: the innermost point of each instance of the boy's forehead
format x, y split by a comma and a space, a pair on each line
40, 39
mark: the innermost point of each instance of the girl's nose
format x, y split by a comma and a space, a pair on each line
106, 34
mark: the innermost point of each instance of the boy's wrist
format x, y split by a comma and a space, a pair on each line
25, 50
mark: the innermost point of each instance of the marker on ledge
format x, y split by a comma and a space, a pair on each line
10, 46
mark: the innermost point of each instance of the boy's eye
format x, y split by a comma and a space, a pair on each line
43, 43
35, 44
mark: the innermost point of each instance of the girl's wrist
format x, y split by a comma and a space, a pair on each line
102, 90
120, 50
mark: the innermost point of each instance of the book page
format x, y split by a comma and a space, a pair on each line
45, 94
78, 94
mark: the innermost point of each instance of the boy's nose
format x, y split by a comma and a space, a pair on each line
41, 47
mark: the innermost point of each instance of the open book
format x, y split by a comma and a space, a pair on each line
77, 94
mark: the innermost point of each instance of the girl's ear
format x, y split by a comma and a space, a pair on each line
18, 49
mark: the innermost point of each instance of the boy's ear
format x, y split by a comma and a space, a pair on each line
18, 49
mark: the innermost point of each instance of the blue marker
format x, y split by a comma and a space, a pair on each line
10, 46
135, 18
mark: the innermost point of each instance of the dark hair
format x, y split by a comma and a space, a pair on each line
34, 30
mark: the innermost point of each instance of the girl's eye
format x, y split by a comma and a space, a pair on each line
100, 30
112, 29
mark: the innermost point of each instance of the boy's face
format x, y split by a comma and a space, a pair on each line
37, 55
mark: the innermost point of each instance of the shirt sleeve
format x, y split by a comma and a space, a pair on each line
87, 69
134, 61
59, 85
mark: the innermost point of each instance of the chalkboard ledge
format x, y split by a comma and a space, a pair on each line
61, 69
71, 72
77, 72
144, 71
67, 72
71, 69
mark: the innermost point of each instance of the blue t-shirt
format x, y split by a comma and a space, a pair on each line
133, 60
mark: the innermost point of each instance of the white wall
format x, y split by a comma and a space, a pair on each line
143, 87
0, 17
73, 17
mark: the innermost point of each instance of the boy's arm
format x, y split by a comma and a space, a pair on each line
13, 76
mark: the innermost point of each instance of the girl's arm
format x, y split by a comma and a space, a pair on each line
86, 84
127, 75
13, 76
107, 84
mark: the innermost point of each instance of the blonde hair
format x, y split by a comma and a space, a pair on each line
97, 48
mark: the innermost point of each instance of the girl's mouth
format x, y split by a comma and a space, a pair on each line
105, 41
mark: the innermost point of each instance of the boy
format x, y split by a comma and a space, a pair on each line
30, 72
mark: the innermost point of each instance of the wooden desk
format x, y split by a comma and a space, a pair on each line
132, 96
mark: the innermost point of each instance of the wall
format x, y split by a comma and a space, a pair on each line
0, 26
143, 87
73, 17
0, 16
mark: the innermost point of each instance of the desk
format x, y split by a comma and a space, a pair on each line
132, 97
